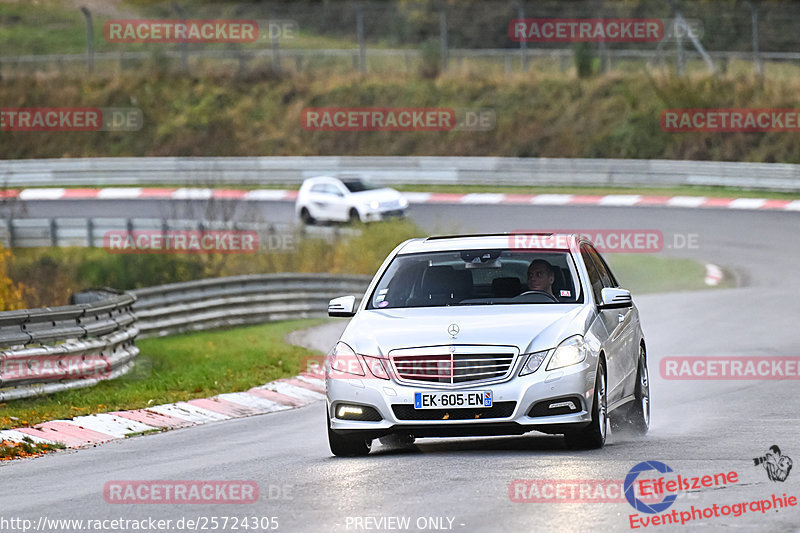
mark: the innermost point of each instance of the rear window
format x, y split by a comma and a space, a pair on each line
477, 277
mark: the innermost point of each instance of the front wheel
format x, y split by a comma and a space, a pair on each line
639, 418
353, 216
305, 217
342, 446
593, 436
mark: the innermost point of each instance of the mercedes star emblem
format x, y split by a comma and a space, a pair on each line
453, 330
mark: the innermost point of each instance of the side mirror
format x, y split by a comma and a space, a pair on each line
343, 306
615, 298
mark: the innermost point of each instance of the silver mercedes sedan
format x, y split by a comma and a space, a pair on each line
496, 334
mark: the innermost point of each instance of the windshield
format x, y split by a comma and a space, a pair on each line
477, 277
358, 185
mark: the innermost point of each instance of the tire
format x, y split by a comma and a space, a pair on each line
639, 414
306, 217
353, 216
594, 435
342, 446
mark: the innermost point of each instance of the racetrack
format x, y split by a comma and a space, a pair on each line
699, 427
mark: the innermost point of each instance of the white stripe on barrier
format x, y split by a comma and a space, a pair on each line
266, 195
620, 199
18, 436
686, 201
252, 401
483, 198
293, 390
115, 426
192, 194
119, 193
41, 194
189, 412
747, 203
417, 197
551, 199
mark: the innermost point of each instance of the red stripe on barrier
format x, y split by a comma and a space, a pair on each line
229, 193
277, 397
305, 385
653, 200
224, 407
80, 193
151, 418
156, 193
70, 434
717, 202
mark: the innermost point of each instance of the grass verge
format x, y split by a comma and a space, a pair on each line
645, 273
176, 368
27, 448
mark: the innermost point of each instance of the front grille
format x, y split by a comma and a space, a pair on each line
452, 368
497, 410
391, 204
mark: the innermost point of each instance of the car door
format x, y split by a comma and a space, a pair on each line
626, 328
339, 208
319, 201
614, 343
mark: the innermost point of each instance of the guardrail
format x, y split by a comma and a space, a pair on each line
59, 348
208, 171
47, 350
91, 232
239, 300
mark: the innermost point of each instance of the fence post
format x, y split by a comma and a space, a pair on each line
362, 47
757, 64
89, 38
523, 45
90, 232
443, 34
182, 45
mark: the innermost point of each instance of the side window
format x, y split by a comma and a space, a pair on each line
333, 190
594, 274
605, 273
319, 187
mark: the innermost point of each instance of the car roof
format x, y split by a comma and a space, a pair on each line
513, 240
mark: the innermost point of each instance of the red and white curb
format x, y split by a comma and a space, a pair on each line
714, 275
280, 195
96, 429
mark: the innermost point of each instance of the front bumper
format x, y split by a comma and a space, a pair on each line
376, 215
523, 392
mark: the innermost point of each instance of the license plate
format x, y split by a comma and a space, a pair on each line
448, 400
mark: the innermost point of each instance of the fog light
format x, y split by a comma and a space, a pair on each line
345, 410
568, 405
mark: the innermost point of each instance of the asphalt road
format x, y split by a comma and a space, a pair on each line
699, 427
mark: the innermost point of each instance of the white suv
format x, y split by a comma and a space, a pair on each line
328, 199
474, 335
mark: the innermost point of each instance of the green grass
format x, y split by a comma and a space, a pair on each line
646, 273
175, 368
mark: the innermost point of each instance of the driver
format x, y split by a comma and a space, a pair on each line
541, 276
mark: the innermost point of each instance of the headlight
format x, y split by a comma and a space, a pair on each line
343, 359
403, 203
571, 351
375, 366
374, 204
533, 363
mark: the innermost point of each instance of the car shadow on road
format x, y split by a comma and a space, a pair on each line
524, 444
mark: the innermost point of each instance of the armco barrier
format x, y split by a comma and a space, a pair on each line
40, 347
233, 301
206, 171
58, 348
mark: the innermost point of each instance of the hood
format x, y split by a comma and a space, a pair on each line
382, 195
527, 327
